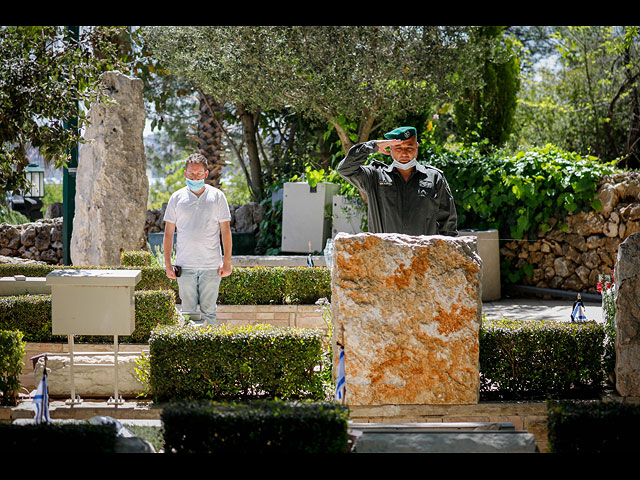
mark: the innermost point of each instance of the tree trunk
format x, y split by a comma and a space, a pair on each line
249, 133
210, 137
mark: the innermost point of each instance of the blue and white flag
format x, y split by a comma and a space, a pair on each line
578, 314
340, 377
41, 400
309, 261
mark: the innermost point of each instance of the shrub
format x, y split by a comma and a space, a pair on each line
58, 438
245, 285
229, 363
151, 277
137, 258
11, 353
255, 427
593, 427
31, 315
534, 359
275, 285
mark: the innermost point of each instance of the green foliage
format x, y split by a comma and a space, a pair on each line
586, 99
256, 427
607, 288
245, 285
593, 427
11, 353
519, 194
52, 194
486, 112
136, 258
60, 438
152, 277
227, 362
12, 217
275, 285
45, 74
535, 359
31, 315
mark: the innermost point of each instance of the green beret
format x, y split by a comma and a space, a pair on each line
400, 133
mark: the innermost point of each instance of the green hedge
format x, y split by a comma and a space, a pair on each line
536, 359
255, 427
31, 315
65, 438
151, 277
275, 285
11, 354
245, 285
593, 427
235, 362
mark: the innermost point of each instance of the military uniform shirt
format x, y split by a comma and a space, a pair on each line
423, 205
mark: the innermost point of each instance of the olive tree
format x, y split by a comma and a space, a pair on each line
367, 75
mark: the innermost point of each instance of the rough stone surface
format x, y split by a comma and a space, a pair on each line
111, 183
38, 241
94, 380
407, 311
627, 320
574, 258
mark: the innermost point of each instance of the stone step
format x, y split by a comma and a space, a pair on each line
494, 437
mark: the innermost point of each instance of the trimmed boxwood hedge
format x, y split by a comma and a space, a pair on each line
151, 277
255, 427
228, 363
245, 285
593, 427
47, 438
31, 315
11, 353
535, 359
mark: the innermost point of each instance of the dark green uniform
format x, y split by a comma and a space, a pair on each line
423, 205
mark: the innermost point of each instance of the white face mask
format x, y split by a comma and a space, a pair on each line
404, 166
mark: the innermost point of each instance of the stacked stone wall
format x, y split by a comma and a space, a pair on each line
40, 240
574, 259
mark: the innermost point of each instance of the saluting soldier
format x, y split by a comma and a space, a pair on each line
405, 196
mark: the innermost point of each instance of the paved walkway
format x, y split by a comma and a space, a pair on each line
539, 309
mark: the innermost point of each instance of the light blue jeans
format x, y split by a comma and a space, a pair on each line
199, 287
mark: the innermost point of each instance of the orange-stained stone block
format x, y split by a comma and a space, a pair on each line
408, 312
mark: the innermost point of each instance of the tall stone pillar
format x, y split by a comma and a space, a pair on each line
407, 310
627, 320
111, 184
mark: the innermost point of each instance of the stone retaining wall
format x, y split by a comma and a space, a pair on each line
573, 259
42, 240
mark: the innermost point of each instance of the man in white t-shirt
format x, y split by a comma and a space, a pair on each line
199, 213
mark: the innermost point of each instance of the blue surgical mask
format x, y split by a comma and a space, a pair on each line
195, 185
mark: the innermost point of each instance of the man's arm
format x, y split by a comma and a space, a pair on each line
447, 216
349, 167
167, 246
225, 269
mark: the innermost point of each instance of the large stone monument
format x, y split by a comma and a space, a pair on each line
407, 311
111, 183
627, 320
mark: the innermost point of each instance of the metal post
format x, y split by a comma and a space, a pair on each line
117, 399
69, 173
74, 400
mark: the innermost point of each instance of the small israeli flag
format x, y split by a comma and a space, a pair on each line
340, 377
41, 400
578, 314
309, 261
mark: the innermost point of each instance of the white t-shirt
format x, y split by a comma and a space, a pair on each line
197, 220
